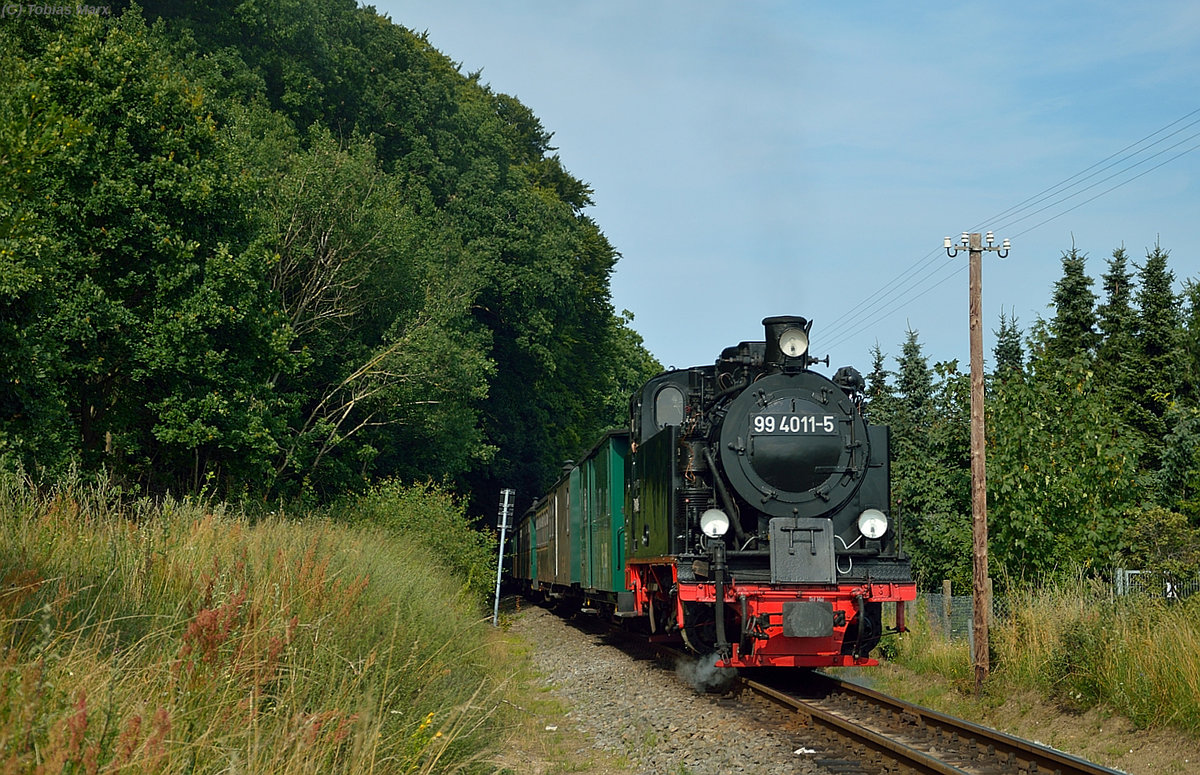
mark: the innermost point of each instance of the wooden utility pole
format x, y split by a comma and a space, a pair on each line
983, 602
980, 581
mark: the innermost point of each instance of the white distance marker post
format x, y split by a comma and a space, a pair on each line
505, 519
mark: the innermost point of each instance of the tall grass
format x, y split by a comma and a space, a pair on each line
1083, 647
926, 649
179, 636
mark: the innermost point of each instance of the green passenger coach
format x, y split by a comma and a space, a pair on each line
572, 541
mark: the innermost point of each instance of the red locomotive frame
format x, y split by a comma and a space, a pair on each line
655, 583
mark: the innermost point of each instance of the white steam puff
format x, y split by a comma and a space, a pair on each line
703, 674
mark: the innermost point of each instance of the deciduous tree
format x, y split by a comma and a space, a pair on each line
151, 329
1061, 473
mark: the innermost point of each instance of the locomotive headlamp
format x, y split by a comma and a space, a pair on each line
793, 342
714, 523
872, 523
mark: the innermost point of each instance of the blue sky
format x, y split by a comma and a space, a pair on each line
765, 158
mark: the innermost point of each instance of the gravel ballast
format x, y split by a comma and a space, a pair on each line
638, 710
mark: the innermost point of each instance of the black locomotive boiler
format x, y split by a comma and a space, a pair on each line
745, 510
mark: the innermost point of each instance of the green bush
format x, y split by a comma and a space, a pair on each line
429, 517
1163, 542
1074, 672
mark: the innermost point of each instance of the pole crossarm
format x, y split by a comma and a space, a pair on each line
966, 243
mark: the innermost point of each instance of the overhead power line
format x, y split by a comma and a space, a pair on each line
926, 273
1106, 163
1110, 188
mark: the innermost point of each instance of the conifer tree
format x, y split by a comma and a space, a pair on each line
1116, 365
1189, 388
1115, 314
1010, 356
914, 385
1155, 377
918, 483
880, 399
1073, 328
1176, 483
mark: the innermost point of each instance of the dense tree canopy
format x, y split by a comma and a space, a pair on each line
285, 248
147, 333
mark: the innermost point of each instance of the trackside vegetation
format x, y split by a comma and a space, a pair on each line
429, 516
188, 636
1093, 435
1137, 655
1077, 645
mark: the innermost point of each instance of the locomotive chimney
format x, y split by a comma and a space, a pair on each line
787, 342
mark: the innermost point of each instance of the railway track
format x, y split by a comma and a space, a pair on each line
853, 730
873, 733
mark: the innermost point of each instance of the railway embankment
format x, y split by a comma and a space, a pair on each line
167, 636
611, 711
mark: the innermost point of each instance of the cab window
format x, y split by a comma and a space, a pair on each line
668, 407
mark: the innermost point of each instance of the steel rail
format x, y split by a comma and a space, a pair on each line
1044, 758
993, 750
913, 758
1003, 750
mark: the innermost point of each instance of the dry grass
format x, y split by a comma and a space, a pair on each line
1083, 649
177, 636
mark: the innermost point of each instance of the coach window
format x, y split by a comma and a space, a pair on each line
668, 407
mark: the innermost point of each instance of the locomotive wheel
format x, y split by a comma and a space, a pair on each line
662, 614
700, 627
871, 626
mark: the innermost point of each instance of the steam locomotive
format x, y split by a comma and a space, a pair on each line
746, 511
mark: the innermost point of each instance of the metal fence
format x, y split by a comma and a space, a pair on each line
953, 615
1154, 584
